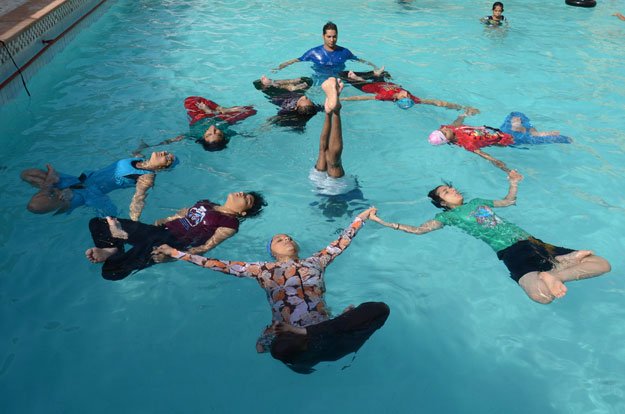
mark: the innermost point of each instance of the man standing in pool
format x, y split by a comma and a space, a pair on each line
540, 268
329, 57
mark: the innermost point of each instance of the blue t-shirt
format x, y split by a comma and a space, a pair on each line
320, 56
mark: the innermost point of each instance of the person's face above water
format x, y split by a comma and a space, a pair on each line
161, 159
213, 135
330, 38
401, 95
304, 102
450, 195
449, 134
239, 202
283, 245
497, 12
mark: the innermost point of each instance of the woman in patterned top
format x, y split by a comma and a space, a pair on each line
302, 332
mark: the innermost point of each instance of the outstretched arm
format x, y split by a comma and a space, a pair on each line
358, 98
619, 15
285, 64
510, 198
144, 183
137, 152
426, 227
239, 269
339, 245
498, 163
221, 234
469, 110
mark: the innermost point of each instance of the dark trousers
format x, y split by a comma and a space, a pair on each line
143, 238
330, 340
369, 77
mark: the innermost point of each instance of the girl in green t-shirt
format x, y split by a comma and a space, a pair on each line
538, 267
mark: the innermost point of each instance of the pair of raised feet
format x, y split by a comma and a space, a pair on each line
332, 88
555, 286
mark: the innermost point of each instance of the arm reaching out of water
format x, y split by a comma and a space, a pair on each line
510, 198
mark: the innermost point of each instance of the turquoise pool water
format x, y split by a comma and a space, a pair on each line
461, 336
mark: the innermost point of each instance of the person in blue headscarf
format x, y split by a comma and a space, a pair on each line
60, 192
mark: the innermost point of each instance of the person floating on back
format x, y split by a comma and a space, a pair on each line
374, 83
540, 268
515, 130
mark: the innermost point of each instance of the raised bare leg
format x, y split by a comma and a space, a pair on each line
321, 164
581, 266
335, 144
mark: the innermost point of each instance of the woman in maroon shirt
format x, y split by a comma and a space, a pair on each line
195, 230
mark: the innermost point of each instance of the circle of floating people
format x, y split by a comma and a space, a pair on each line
302, 331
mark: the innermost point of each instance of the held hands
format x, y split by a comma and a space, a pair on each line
365, 215
162, 253
514, 177
470, 111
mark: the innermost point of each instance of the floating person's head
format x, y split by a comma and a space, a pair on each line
446, 197
161, 160
405, 103
305, 106
443, 135
404, 99
497, 9
283, 245
213, 139
242, 204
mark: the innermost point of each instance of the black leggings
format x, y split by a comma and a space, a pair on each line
143, 238
330, 340
369, 77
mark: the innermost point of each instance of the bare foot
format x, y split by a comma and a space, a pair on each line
378, 71
281, 327
572, 259
100, 254
333, 89
555, 285
116, 228
52, 177
352, 75
347, 309
265, 80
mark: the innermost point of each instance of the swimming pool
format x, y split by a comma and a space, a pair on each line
461, 337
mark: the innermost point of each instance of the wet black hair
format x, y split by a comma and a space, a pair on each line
436, 199
257, 207
330, 26
498, 3
307, 110
212, 146
294, 120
